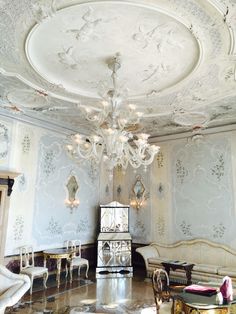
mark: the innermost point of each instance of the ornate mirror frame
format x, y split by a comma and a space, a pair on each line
139, 193
72, 188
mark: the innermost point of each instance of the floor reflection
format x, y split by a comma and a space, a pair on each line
111, 295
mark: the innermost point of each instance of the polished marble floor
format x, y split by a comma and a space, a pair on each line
110, 295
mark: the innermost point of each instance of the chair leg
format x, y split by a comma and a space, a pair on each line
71, 273
87, 268
66, 269
31, 286
78, 271
45, 278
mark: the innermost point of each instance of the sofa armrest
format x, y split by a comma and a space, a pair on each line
147, 252
12, 287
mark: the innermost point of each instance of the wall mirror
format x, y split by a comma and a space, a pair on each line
138, 192
72, 188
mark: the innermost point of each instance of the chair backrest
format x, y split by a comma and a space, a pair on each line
74, 245
161, 293
26, 257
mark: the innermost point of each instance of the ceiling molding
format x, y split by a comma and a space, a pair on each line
176, 59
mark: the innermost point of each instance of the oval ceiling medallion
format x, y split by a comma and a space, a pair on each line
73, 47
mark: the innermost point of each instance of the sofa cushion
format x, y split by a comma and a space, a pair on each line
227, 271
206, 268
157, 260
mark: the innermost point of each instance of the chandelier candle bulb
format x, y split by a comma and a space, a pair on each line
79, 139
143, 136
88, 110
132, 107
96, 138
105, 103
69, 147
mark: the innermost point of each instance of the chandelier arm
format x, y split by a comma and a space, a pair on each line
145, 161
139, 156
85, 155
132, 157
89, 151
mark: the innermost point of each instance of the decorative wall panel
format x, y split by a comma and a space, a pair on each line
202, 188
54, 222
38, 214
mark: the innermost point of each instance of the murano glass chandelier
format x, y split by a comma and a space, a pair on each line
112, 141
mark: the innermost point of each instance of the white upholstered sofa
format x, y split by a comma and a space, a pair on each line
12, 287
212, 261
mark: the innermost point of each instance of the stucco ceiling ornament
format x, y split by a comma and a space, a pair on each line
169, 48
192, 119
44, 9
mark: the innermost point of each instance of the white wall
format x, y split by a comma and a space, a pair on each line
191, 188
38, 214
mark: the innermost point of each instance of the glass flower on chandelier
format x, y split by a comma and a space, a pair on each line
113, 142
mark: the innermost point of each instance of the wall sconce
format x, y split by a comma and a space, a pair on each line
72, 188
138, 195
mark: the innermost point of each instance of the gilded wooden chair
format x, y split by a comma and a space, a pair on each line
76, 260
28, 267
161, 291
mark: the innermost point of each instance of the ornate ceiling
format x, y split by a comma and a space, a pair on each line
178, 61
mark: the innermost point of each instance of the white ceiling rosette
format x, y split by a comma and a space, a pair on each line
176, 57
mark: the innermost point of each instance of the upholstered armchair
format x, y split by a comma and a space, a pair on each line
27, 266
12, 287
76, 260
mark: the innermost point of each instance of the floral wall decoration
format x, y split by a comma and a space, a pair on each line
50, 155
54, 228
219, 167
48, 166
160, 226
22, 182
218, 230
4, 140
160, 159
93, 169
138, 230
202, 190
83, 226
18, 228
186, 228
26, 144
181, 171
